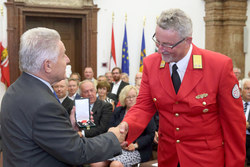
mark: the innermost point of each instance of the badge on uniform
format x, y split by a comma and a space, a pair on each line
162, 64
201, 96
197, 62
236, 92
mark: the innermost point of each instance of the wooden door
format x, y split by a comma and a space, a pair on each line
69, 30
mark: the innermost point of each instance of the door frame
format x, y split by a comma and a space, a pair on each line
17, 13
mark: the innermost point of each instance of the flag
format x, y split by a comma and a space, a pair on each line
5, 78
125, 58
112, 61
143, 51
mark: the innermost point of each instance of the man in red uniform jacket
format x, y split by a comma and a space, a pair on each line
201, 123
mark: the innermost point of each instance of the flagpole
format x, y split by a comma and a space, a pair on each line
1, 10
144, 21
126, 18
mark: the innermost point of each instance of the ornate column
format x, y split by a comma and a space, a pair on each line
225, 20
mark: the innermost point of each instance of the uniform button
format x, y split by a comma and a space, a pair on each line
176, 102
176, 114
177, 129
154, 99
205, 110
204, 103
178, 141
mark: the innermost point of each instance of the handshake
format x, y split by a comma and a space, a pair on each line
120, 132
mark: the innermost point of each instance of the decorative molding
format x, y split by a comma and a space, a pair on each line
58, 3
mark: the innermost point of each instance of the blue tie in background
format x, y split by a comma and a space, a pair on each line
56, 97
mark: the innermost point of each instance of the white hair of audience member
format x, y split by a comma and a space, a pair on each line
243, 81
36, 46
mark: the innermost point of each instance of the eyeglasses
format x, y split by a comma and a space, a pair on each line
164, 45
130, 97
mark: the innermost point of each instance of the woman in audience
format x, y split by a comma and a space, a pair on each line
103, 87
141, 149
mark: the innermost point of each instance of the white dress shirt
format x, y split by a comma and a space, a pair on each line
182, 64
116, 86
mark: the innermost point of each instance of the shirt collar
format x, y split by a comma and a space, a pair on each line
183, 63
45, 82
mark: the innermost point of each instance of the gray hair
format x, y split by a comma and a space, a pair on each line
85, 81
176, 19
36, 46
244, 81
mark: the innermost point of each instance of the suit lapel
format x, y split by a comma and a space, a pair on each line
191, 78
166, 81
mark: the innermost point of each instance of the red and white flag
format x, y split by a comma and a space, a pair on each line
5, 77
112, 60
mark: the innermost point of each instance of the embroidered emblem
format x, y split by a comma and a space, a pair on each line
236, 91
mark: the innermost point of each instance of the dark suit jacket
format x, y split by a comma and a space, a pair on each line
36, 130
144, 141
122, 85
68, 104
102, 113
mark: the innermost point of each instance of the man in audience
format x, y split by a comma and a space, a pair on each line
35, 128
196, 93
246, 104
61, 89
109, 76
138, 76
89, 74
125, 77
102, 111
237, 72
75, 75
118, 84
73, 89
102, 78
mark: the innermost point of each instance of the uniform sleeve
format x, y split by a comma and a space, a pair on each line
232, 117
144, 107
53, 132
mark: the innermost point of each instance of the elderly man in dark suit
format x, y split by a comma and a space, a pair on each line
36, 129
102, 111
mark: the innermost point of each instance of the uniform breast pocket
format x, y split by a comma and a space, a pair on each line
203, 103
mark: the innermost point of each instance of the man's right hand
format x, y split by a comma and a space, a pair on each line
120, 132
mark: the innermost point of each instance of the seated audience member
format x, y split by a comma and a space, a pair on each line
138, 76
124, 77
118, 84
109, 77
101, 78
246, 103
61, 89
102, 111
73, 87
237, 72
138, 84
141, 149
103, 89
75, 75
89, 74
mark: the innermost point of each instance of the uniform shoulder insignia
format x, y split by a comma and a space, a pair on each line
162, 65
197, 62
